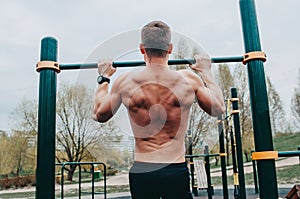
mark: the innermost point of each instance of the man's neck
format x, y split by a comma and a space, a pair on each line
157, 61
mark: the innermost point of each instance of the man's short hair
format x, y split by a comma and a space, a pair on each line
156, 38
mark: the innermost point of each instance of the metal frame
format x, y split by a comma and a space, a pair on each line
238, 142
120, 64
206, 157
280, 154
259, 102
79, 184
259, 105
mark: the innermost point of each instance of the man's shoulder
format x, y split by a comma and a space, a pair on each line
190, 76
129, 75
187, 73
124, 78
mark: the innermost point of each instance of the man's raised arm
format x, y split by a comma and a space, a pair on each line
106, 103
208, 93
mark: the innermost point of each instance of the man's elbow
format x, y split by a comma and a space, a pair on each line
218, 110
102, 118
222, 110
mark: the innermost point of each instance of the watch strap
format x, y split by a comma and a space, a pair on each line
101, 79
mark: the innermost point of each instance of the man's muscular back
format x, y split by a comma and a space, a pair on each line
158, 102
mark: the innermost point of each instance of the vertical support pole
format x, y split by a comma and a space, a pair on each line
259, 102
62, 182
93, 181
192, 168
239, 147
207, 169
223, 158
104, 166
299, 155
79, 183
254, 174
45, 173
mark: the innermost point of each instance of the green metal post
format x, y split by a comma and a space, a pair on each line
254, 175
239, 147
223, 158
93, 181
45, 173
79, 183
207, 169
299, 155
259, 102
236, 192
190, 150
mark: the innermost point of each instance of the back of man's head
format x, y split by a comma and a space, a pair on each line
156, 38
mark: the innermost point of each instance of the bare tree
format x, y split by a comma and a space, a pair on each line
199, 125
181, 52
295, 105
77, 133
241, 83
16, 153
18, 149
277, 113
225, 81
22, 142
6, 159
24, 116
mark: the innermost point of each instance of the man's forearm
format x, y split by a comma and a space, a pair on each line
214, 89
210, 83
101, 93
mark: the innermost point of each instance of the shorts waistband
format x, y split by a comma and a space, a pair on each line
137, 163
144, 167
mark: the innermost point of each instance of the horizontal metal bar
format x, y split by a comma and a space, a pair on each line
288, 153
79, 163
202, 155
118, 64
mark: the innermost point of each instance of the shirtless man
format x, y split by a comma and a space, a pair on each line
158, 102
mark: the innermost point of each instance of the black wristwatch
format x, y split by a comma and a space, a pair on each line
101, 79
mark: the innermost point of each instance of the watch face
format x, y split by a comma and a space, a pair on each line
100, 79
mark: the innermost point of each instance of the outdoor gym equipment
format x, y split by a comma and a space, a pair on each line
45, 173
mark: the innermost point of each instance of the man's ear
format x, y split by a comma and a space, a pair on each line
142, 48
170, 48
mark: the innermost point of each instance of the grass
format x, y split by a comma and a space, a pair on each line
286, 142
87, 191
30, 194
288, 175
70, 192
281, 142
285, 175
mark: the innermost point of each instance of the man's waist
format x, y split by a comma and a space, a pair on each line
138, 163
142, 167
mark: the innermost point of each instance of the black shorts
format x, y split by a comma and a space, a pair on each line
155, 181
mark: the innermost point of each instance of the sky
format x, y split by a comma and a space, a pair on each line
85, 27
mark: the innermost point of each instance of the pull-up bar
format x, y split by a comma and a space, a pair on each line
119, 64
